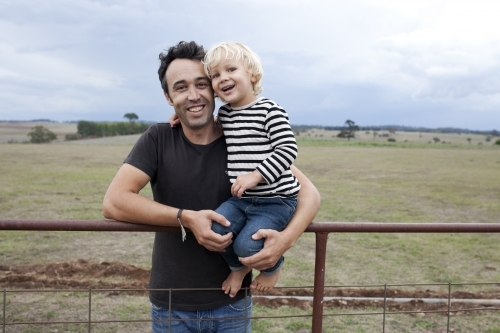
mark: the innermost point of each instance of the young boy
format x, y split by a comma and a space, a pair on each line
261, 147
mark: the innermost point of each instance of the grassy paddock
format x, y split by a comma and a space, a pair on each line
357, 183
428, 139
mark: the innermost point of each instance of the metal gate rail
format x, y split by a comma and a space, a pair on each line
321, 229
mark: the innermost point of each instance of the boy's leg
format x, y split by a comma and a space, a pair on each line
234, 211
265, 213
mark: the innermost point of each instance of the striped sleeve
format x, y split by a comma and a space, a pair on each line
283, 142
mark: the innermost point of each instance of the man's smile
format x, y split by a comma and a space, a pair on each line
195, 108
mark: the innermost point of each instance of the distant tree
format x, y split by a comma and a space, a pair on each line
469, 140
497, 142
349, 130
40, 134
131, 116
87, 128
436, 140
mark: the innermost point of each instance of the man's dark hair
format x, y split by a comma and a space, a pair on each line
183, 50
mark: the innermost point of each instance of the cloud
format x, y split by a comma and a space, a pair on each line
323, 60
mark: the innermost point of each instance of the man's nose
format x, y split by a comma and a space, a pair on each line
193, 93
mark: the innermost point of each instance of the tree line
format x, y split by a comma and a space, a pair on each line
92, 129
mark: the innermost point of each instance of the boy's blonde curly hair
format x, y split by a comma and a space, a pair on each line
230, 50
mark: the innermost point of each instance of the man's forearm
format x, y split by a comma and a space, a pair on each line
132, 207
308, 205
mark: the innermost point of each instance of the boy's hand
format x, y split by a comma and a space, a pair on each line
174, 120
245, 182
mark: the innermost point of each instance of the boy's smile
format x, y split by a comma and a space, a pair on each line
233, 83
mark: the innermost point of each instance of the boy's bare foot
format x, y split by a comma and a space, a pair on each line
265, 283
233, 282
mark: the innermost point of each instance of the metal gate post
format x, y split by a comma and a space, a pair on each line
4, 310
319, 282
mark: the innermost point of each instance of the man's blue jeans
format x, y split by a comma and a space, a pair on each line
247, 216
233, 318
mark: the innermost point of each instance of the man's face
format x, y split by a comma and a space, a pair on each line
190, 93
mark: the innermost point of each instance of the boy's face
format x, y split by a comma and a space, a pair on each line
232, 82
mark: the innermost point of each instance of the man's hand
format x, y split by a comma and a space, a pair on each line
275, 246
200, 223
245, 182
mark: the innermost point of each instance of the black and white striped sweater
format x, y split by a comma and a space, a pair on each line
259, 136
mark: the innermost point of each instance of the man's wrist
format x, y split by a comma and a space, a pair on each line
179, 213
288, 239
185, 217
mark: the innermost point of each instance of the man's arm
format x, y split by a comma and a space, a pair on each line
123, 202
277, 243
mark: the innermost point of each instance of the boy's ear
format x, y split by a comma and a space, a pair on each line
168, 99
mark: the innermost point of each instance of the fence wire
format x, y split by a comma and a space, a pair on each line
92, 323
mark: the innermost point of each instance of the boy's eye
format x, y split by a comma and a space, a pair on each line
215, 75
232, 69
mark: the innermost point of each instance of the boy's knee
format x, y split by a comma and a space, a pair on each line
247, 247
219, 229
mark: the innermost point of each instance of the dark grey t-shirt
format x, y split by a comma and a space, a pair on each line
189, 176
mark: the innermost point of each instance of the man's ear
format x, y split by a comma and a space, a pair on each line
168, 99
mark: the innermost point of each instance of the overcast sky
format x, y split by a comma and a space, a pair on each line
424, 63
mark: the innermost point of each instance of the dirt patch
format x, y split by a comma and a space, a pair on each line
80, 274
83, 274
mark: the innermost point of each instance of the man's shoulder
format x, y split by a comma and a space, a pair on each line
162, 129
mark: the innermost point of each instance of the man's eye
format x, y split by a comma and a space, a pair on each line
180, 88
203, 85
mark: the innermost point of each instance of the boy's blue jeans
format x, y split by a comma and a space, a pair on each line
247, 216
232, 318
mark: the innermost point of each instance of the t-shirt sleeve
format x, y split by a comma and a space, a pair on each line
144, 155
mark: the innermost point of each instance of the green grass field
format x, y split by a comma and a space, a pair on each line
360, 180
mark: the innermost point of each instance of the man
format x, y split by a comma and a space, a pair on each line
186, 167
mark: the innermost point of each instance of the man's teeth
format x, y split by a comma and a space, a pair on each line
196, 108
